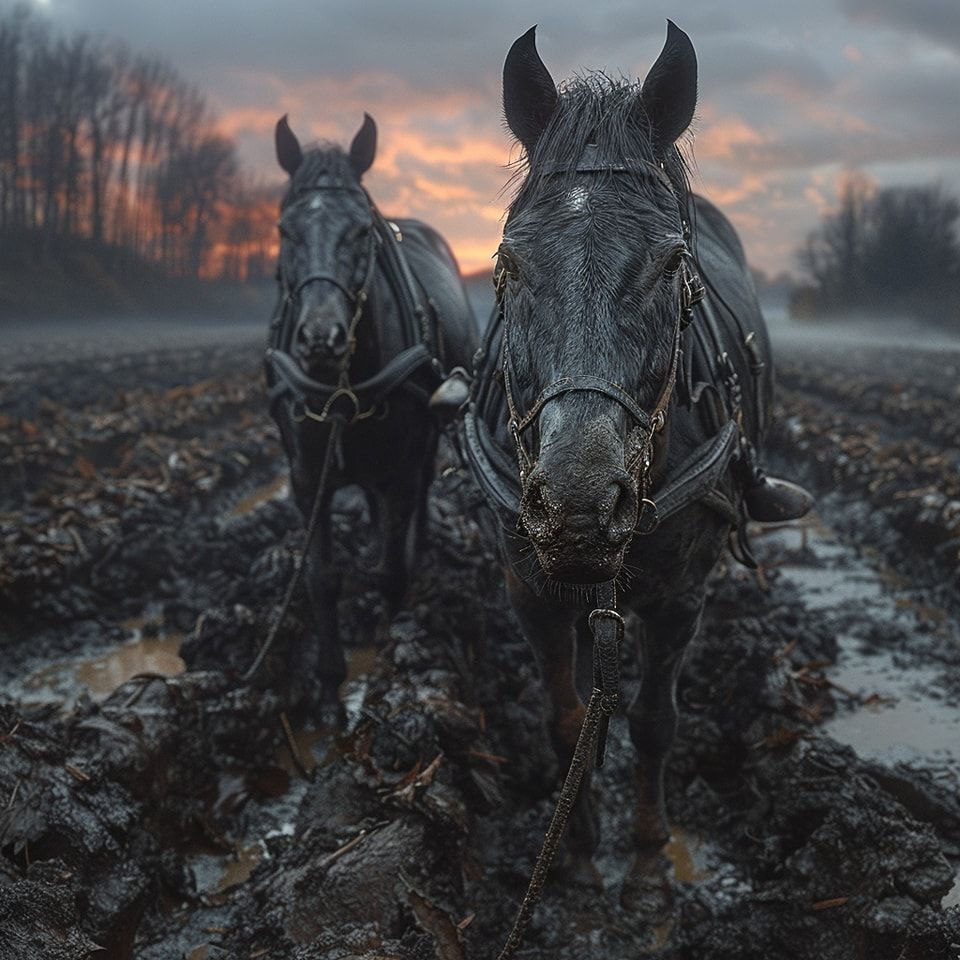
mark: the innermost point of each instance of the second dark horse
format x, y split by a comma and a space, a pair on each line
371, 315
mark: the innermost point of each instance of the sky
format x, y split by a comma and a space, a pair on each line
793, 95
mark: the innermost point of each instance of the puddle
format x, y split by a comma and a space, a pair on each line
277, 489
902, 712
151, 655
689, 855
360, 662
100, 675
265, 800
902, 720
304, 741
952, 899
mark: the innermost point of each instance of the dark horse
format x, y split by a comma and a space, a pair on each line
617, 412
371, 315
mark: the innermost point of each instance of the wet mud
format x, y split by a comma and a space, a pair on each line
153, 807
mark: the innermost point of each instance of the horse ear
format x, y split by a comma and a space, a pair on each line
289, 154
364, 147
529, 93
669, 93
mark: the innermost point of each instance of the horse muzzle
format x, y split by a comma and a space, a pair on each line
580, 535
318, 345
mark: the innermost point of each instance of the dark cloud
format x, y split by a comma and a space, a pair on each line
741, 60
937, 20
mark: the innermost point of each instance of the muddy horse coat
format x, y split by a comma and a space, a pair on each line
620, 399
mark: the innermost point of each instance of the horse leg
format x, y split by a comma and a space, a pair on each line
322, 653
550, 629
653, 725
421, 517
396, 510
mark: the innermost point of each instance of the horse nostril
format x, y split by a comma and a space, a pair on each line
533, 501
623, 511
337, 340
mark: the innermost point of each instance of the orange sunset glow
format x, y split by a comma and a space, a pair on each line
791, 101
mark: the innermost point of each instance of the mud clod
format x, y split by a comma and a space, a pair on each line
189, 815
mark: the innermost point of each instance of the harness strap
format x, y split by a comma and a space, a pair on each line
699, 474
586, 384
401, 280
607, 627
592, 162
502, 494
650, 423
325, 278
694, 480
368, 393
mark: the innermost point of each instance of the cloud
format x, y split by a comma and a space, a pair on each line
780, 68
792, 94
937, 20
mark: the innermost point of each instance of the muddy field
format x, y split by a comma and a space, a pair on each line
152, 807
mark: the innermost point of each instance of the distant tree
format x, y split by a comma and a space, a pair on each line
106, 151
894, 250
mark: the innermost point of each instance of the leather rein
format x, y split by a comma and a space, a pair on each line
650, 424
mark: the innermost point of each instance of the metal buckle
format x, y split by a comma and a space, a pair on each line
648, 518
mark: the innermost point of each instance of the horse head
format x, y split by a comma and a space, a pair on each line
591, 280
326, 244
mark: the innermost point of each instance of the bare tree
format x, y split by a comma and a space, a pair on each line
891, 250
112, 150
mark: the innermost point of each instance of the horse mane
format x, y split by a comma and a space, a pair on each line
595, 109
324, 164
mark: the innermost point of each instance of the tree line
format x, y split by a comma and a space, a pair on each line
113, 151
890, 251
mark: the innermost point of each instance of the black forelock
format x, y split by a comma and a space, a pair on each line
324, 164
595, 109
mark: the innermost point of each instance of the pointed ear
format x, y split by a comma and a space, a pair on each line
364, 147
289, 154
529, 93
670, 90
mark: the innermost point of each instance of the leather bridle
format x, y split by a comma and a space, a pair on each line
649, 424
358, 298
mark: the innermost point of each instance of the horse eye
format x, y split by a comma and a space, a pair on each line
674, 263
357, 233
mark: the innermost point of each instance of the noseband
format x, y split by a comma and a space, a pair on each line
649, 424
